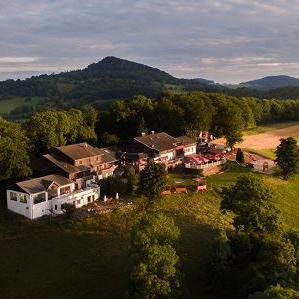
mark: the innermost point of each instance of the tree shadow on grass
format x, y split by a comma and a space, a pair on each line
195, 248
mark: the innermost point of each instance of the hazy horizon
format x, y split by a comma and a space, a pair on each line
227, 41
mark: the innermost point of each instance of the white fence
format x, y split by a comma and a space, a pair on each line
206, 165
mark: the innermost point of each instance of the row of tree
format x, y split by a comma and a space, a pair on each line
191, 113
223, 116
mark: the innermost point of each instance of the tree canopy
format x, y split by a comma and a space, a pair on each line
14, 151
250, 199
152, 179
287, 154
155, 272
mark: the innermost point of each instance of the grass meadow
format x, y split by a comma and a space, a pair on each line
90, 257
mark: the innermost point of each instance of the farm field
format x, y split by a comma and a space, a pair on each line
90, 257
264, 139
269, 127
269, 139
7, 105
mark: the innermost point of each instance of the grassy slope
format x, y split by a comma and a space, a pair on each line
267, 153
8, 105
286, 193
89, 258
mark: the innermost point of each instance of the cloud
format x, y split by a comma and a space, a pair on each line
225, 40
5, 60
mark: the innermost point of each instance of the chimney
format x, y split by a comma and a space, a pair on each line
153, 132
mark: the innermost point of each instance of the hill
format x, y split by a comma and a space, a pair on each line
110, 78
98, 247
271, 82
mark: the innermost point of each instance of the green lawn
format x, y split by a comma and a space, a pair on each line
89, 258
7, 105
267, 153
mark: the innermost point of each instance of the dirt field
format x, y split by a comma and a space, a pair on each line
268, 140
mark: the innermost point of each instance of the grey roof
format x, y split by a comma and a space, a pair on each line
185, 140
158, 141
42, 184
65, 166
79, 151
107, 155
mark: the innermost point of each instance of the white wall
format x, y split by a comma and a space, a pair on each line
33, 211
168, 156
73, 198
17, 206
190, 150
42, 208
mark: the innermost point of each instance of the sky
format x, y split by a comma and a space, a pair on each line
223, 40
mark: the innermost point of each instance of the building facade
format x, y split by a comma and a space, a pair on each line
72, 176
46, 195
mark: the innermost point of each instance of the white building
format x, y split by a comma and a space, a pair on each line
45, 195
189, 145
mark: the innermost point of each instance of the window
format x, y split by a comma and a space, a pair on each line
55, 207
93, 198
23, 198
65, 190
78, 201
13, 196
89, 198
80, 162
39, 198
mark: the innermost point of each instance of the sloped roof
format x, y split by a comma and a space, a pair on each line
79, 151
158, 141
62, 164
107, 155
185, 140
41, 184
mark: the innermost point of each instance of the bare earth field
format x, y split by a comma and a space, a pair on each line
269, 139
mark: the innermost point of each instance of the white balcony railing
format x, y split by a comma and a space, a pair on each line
206, 165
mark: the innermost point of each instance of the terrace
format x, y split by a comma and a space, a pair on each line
204, 161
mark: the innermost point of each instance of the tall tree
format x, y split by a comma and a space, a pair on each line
155, 229
152, 180
155, 272
250, 200
155, 275
227, 121
50, 129
14, 151
287, 156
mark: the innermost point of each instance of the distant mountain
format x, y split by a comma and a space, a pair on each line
116, 68
204, 81
110, 78
271, 82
